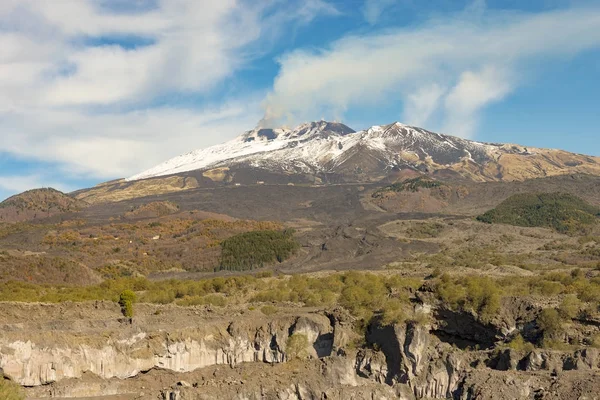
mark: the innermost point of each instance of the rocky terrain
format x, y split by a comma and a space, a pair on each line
310, 263
85, 350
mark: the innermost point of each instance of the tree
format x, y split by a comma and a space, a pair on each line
250, 250
126, 300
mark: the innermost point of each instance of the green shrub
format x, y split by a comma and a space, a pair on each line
481, 294
553, 344
520, 344
296, 346
549, 322
263, 274
393, 312
570, 306
577, 273
595, 341
211, 299
126, 300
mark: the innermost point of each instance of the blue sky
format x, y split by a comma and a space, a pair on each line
93, 90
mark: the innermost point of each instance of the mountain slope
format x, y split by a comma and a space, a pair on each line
36, 204
333, 150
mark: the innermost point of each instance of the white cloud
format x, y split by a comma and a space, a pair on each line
421, 103
479, 59
474, 91
195, 44
70, 100
373, 9
116, 145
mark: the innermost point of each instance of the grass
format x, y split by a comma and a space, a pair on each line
425, 230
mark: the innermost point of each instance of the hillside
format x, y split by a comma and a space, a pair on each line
561, 211
37, 204
257, 275
322, 153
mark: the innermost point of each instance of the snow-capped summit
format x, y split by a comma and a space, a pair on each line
332, 151
248, 145
310, 130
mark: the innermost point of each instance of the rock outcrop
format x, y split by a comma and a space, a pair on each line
416, 358
245, 356
32, 364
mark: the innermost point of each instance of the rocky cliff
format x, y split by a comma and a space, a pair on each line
178, 353
33, 360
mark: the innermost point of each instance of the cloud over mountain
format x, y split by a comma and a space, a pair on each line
444, 71
94, 90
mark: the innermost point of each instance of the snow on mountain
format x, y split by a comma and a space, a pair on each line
252, 142
320, 147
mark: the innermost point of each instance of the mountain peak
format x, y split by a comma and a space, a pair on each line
305, 131
333, 149
322, 128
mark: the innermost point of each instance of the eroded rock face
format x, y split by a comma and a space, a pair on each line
433, 369
402, 361
372, 365
304, 391
414, 357
31, 364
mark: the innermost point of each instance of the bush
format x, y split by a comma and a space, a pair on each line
126, 300
519, 344
393, 312
549, 322
481, 294
296, 346
570, 306
10, 390
211, 299
425, 230
595, 341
